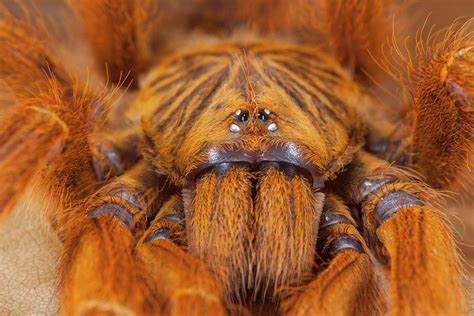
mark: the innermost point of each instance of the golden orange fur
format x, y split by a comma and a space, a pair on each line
243, 172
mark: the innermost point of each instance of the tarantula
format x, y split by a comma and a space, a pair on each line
261, 170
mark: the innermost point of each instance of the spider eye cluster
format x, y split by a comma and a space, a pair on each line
242, 116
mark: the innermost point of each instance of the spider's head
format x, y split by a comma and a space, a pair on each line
251, 133
251, 97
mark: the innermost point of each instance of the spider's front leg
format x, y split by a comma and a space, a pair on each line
114, 264
348, 284
441, 125
410, 235
35, 129
99, 272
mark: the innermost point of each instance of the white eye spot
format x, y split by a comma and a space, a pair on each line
272, 127
238, 112
267, 111
234, 128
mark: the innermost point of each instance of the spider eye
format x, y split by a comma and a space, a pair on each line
243, 116
263, 116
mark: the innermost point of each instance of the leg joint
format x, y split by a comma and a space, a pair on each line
340, 244
123, 206
387, 196
392, 202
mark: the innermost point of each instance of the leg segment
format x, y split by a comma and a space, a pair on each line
99, 271
29, 138
348, 285
444, 110
180, 283
442, 122
45, 118
115, 151
424, 272
115, 32
129, 268
348, 24
410, 235
168, 223
26, 58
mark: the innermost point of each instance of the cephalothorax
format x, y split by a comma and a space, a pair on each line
245, 172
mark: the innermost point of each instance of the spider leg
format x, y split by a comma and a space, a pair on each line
410, 236
45, 117
127, 266
116, 35
348, 284
441, 126
356, 32
115, 151
29, 138
168, 224
27, 60
348, 25
181, 283
99, 271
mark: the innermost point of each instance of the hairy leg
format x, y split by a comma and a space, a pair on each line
27, 60
117, 36
410, 235
181, 284
348, 25
440, 129
29, 138
48, 114
357, 31
114, 261
348, 284
98, 270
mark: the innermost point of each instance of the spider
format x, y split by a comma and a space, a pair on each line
261, 170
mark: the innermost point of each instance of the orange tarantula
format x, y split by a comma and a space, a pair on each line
265, 170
